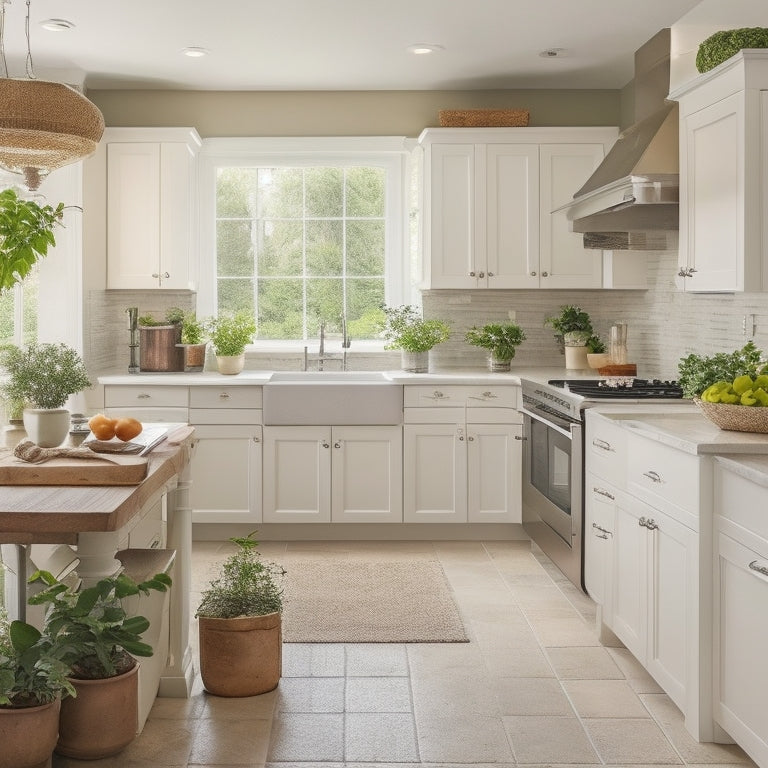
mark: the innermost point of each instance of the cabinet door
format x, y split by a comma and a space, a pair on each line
564, 261
367, 475
297, 475
451, 243
508, 214
741, 626
600, 501
133, 215
712, 196
672, 616
494, 469
226, 474
630, 576
434, 473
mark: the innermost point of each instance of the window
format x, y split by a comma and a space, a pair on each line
18, 311
306, 234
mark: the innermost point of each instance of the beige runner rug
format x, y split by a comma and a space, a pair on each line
336, 600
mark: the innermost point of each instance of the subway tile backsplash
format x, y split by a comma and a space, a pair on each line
664, 323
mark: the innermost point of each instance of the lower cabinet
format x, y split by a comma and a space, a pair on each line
600, 500
226, 473
654, 609
333, 474
457, 473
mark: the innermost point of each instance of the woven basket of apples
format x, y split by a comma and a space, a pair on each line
740, 405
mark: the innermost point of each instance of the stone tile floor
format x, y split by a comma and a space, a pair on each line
533, 686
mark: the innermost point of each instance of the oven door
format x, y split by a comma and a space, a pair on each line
552, 489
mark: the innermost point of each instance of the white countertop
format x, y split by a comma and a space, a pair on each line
754, 468
683, 427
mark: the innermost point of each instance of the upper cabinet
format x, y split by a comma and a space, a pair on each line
724, 176
489, 203
150, 185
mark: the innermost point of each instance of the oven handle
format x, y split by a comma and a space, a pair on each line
548, 422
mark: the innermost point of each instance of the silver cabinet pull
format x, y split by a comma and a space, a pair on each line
326, 444
520, 437
143, 396
437, 395
223, 395
256, 439
545, 274
490, 274
651, 524
155, 274
604, 532
166, 275
487, 395
470, 439
603, 445
643, 522
683, 272
337, 444
755, 566
654, 476
603, 492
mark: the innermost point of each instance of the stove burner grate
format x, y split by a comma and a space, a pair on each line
621, 387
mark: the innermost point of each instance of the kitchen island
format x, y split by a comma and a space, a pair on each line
102, 520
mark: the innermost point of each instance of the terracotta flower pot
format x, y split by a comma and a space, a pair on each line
28, 735
241, 656
103, 719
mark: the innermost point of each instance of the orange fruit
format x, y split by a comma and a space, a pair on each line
102, 426
127, 428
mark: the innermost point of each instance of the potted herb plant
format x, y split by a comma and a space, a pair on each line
500, 339
159, 340
240, 626
90, 631
194, 340
32, 682
597, 356
573, 326
26, 233
43, 376
230, 333
406, 330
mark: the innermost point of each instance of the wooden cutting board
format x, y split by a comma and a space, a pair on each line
117, 470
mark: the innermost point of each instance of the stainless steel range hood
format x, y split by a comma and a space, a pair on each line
631, 200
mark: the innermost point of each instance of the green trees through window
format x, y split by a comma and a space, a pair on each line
297, 245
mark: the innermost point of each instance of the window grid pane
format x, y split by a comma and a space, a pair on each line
300, 245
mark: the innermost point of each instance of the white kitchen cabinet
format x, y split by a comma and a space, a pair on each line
600, 500
150, 190
741, 610
462, 455
227, 458
147, 403
489, 197
723, 179
333, 474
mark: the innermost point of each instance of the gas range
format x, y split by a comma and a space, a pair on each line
567, 398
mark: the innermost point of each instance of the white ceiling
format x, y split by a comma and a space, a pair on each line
338, 44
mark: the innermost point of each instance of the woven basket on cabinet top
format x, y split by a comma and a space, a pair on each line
739, 418
483, 118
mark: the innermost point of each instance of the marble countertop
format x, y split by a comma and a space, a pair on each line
684, 427
754, 468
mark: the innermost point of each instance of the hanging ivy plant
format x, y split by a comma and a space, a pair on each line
26, 233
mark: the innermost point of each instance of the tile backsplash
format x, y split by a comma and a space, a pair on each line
664, 323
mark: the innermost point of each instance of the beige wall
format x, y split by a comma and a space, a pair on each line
342, 113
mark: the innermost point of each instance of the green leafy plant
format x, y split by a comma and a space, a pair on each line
405, 329
30, 675
192, 330
26, 233
720, 46
230, 333
499, 338
43, 375
698, 372
89, 629
595, 345
248, 586
572, 325
173, 316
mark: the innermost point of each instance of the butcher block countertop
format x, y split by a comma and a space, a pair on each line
56, 514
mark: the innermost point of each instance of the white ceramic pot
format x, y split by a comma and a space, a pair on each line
230, 364
576, 357
47, 427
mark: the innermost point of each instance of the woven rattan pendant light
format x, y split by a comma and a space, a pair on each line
43, 125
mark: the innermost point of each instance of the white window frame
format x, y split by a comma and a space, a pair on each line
392, 153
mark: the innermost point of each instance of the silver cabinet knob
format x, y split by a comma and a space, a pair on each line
545, 274
325, 444
533, 274
471, 274
642, 522
651, 524
490, 274
337, 444
482, 274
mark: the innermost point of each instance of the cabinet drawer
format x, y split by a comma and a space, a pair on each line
225, 397
225, 416
741, 501
126, 396
606, 450
661, 475
452, 396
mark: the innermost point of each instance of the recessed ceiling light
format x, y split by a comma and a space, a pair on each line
553, 53
420, 49
56, 25
195, 52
